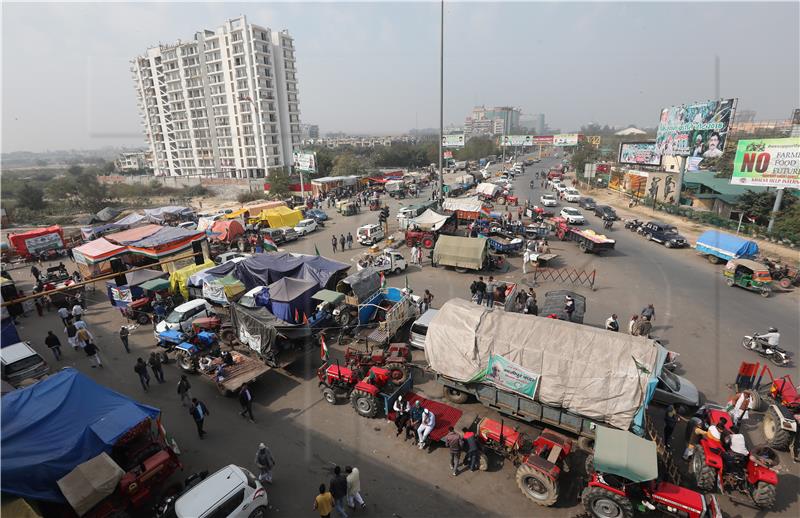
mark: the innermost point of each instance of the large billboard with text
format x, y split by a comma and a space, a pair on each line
639, 153
698, 130
565, 139
453, 140
770, 162
306, 162
516, 140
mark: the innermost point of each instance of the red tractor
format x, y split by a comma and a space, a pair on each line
393, 358
539, 461
426, 238
625, 479
714, 469
365, 394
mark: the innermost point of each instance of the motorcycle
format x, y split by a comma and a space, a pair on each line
775, 354
633, 225
608, 223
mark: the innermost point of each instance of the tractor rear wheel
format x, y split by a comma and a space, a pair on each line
329, 395
757, 402
398, 372
776, 436
602, 503
456, 396
364, 403
785, 283
537, 486
483, 461
588, 464
704, 475
427, 243
764, 495
187, 362
143, 319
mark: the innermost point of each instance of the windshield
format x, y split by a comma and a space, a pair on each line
23, 364
670, 380
572, 212
175, 317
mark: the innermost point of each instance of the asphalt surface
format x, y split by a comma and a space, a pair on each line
696, 315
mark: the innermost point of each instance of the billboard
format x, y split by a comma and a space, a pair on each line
698, 130
517, 140
771, 162
566, 139
639, 153
306, 162
543, 139
506, 374
453, 140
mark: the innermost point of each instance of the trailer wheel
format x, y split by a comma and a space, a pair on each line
776, 436
364, 403
187, 362
398, 372
227, 335
537, 486
456, 396
483, 462
586, 444
764, 495
583, 246
713, 259
602, 503
143, 319
329, 395
704, 475
427, 243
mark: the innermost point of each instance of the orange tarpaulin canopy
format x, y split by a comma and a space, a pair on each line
226, 230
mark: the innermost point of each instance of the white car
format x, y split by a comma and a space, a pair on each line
573, 216
561, 187
233, 492
548, 200
305, 226
181, 318
230, 256
553, 182
572, 195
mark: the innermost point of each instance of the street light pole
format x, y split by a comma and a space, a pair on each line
441, 104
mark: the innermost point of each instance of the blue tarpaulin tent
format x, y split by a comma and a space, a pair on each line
54, 425
290, 299
264, 269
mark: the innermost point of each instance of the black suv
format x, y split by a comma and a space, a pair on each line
587, 203
605, 212
662, 233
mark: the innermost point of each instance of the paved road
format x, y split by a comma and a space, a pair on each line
697, 315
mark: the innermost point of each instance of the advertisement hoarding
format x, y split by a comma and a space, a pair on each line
772, 162
698, 130
517, 140
639, 153
507, 374
565, 139
543, 139
306, 162
447, 154
37, 245
453, 140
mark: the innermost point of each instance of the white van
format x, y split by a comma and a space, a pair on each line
419, 329
180, 319
232, 492
21, 365
370, 234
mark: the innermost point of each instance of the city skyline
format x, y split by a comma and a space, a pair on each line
577, 63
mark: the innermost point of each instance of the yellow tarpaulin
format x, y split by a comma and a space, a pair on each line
281, 217
236, 214
178, 279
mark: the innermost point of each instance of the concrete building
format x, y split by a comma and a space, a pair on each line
224, 104
133, 161
500, 120
309, 132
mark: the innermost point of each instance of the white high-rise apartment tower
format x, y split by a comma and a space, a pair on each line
222, 105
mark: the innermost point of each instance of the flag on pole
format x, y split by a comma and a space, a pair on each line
323, 348
305, 318
269, 245
296, 316
383, 280
316, 250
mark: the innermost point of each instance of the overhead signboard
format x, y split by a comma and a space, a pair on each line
566, 139
448, 154
306, 162
453, 140
543, 139
594, 140
773, 162
517, 140
589, 170
698, 130
639, 153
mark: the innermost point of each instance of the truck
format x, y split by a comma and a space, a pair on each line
720, 247
570, 377
463, 253
388, 260
588, 240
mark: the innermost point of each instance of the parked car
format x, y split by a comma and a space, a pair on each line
275, 234
560, 187
370, 234
419, 329
573, 216
188, 225
572, 195
305, 226
676, 390
663, 233
552, 182
231, 492
180, 319
289, 234
21, 365
317, 214
605, 212
548, 200
227, 256
587, 203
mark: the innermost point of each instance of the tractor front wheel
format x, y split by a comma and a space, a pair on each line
776, 436
187, 362
537, 486
602, 503
364, 403
329, 395
764, 495
398, 372
704, 475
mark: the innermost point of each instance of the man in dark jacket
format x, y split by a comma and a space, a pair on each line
473, 453
198, 411
338, 488
54, 344
246, 400
453, 442
155, 364
141, 369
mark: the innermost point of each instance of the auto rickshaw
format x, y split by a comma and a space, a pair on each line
350, 209
748, 274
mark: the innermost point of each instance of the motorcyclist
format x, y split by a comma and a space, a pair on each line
769, 340
607, 222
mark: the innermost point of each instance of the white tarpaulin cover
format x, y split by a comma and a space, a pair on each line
471, 204
596, 373
90, 482
430, 220
489, 189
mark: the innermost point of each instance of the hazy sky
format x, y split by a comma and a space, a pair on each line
373, 67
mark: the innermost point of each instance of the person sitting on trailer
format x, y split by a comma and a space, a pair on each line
401, 409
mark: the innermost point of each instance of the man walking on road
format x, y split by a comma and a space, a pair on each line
123, 336
342, 241
323, 502
265, 462
64, 314
453, 442
91, 351
246, 400
349, 241
413, 257
338, 487
199, 413
334, 242
354, 488
155, 364
480, 290
54, 344
141, 369
184, 390
649, 313
526, 258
